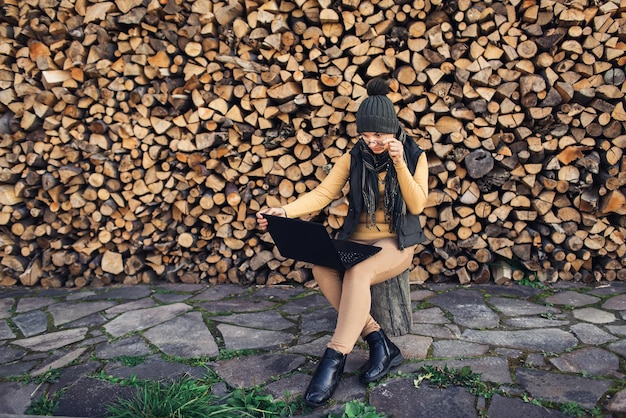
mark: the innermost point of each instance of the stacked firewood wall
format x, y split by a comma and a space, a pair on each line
140, 137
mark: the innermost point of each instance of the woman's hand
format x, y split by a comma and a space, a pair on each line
262, 222
395, 150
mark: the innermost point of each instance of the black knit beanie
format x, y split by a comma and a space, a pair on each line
376, 113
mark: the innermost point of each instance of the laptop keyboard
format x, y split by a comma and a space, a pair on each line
350, 257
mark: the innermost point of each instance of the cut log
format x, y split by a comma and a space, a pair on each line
391, 305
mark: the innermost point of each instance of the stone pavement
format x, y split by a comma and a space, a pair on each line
547, 350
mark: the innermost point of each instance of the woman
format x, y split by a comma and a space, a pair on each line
388, 175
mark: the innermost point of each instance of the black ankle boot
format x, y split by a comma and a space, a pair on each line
326, 378
383, 356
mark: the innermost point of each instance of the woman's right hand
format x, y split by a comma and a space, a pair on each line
260, 219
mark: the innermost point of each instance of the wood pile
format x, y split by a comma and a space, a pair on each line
139, 137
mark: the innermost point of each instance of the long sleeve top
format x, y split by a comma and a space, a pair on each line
414, 189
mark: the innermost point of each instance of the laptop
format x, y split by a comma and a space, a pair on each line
310, 242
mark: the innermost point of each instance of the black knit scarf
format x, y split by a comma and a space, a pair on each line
395, 207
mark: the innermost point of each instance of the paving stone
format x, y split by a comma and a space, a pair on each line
219, 292
265, 320
171, 297
70, 376
534, 322
5, 331
154, 368
355, 360
520, 307
80, 294
535, 360
609, 289
420, 295
501, 407
144, 318
129, 306
6, 304
238, 305
185, 336
18, 368
30, 304
594, 315
591, 360
617, 405
289, 388
183, 287
70, 311
307, 303
430, 316
58, 360
9, 354
52, 340
436, 331
426, 402
468, 308
315, 347
15, 397
561, 388
240, 338
94, 320
455, 349
509, 352
256, 370
320, 320
572, 298
90, 397
618, 347
278, 293
616, 303
550, 340
617, 329
413, 346
31, 323
133, 346
591, 334
124, 293
349, 388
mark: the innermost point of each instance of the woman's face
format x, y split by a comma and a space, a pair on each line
376, 141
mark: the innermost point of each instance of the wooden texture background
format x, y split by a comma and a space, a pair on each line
139, 137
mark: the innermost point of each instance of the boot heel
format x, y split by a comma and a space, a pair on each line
397, 360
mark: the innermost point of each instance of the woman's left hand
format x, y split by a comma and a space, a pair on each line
395, 150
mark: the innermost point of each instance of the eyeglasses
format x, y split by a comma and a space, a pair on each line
373, 142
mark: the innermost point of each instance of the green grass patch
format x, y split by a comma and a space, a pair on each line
533, 282
190, 398
444, 377
358, 409
44, 405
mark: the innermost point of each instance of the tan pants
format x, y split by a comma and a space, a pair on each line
349, 292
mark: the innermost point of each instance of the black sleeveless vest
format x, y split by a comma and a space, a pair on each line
410, 229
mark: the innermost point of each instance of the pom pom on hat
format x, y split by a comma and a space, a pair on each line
376, 113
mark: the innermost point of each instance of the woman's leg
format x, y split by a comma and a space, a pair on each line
353, 317
330, 282
350, 296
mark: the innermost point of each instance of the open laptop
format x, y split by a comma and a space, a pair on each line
310, 242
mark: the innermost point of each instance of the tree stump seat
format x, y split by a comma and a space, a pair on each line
391, 305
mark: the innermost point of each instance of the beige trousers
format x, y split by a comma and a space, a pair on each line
349, 292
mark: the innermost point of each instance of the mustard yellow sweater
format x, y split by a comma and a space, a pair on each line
414, 190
